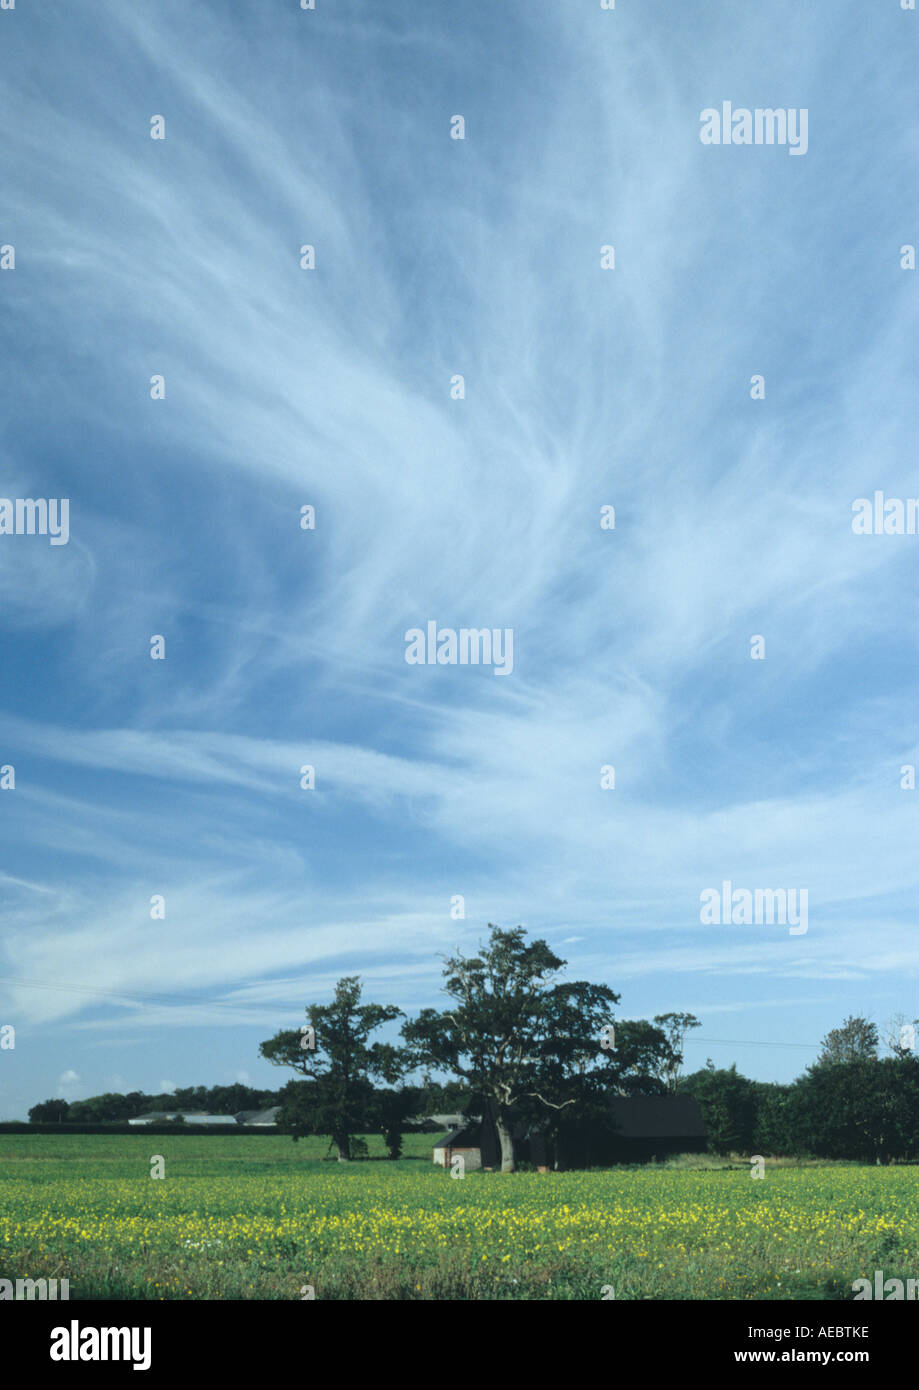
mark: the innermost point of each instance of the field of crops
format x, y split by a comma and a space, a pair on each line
263, 1218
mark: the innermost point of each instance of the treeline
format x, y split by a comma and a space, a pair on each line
212, 1100
534, 1049
544, 1054
391, 1112
541, 1053
865, 1109
516, 1039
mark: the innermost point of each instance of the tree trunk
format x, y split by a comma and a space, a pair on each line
506, 1139
343, 1144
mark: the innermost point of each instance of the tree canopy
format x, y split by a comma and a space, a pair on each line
514, 1032
335, 1052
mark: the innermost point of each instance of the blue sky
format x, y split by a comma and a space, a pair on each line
584, 387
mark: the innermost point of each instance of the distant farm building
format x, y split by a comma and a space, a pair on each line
191, 1117
262, 1119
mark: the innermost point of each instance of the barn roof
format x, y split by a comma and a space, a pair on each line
467, 1134
636, 1117
658, 1117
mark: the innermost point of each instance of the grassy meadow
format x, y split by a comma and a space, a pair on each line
253, 1217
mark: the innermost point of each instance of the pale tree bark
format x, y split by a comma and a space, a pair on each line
506, 1138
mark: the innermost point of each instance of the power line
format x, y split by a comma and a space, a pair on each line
749, 1042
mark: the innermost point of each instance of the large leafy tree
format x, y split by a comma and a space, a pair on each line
341, 1061
855, 1041
515, 1034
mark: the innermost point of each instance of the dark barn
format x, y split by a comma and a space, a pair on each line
476, 1142
635, 1129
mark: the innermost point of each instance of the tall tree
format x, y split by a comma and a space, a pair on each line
676, 1026
340, 1058
513, 1033
855, 1041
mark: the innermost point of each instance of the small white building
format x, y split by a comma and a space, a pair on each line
261, 1119
463, 1140
191, 1117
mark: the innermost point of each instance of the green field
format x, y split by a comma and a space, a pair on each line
260, 1217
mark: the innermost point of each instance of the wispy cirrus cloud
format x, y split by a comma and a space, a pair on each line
583, 388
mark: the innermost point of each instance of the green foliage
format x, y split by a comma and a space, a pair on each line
777, 1128
866, 1109
389, 1109
340, 1068
643, 1058
214, 1100
861, 1109
855, 1041
728, 1102
49, 1111
516, 1036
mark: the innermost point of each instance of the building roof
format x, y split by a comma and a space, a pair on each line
192, 1117
635, 1117
462, 1136
258, 1117
658, 1117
